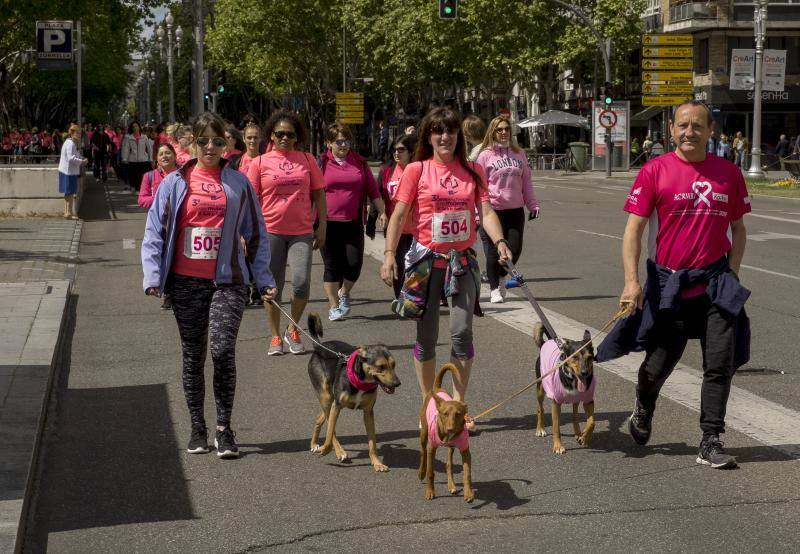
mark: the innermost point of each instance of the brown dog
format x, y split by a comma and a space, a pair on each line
573, 382
442, 424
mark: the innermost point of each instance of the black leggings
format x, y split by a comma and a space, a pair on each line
343, 253
513, 224
199, 305
400, 259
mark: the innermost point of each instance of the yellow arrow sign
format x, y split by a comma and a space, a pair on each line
666, 75
649, 88
351, 120
668, 52
666, 63
667, 40
665, 100
350, 101
349, 95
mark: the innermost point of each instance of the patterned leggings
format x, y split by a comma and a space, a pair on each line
199, 305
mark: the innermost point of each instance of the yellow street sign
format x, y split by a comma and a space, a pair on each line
666, 40
665, 100
350, 101
351, 120
349, 95
666, 75
668, 52
649, 88
666, 63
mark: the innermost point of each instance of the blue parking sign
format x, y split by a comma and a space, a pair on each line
54, 44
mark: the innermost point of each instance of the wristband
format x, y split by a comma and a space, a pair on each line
501, 241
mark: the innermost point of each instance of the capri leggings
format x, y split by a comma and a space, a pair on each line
513, 223
461, 309
296, 250
199, 305
343, 252
403, 245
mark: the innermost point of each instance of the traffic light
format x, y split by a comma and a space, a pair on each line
608, 97
448, 9
221, 82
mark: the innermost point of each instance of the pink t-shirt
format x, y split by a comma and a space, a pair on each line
200, 219
284, 182
183, 156
391, 187
550, 357
444, 198
690, 206
432, 415
345, 185
245, 161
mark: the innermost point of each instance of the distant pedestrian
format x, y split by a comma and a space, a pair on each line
724, 147
69, 168
166, 164
634, 149
234, 146
383, 141
185, 139
740, 145
192, 250
647, 147
711, 145
252, 140
692, 288
137, 155
782, 150
102, 149
474, 130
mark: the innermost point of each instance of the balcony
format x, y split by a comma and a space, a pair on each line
685, 10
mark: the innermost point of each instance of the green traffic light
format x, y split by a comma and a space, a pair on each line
221, 89
609, 100
448, 10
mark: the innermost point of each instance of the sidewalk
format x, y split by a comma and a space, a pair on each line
37, 266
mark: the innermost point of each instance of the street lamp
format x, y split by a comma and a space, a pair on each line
178, 35
760, 24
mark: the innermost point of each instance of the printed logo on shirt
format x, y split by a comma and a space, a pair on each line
719, 197
702, 190
450, 184
286, 166
211, 188
632, 197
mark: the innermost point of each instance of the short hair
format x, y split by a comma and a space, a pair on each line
474, 129
338, 128
693, 103
290, 117
206, 120
73, 127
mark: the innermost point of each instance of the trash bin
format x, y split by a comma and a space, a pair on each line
580, 153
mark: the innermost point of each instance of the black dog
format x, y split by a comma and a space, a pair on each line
348, 383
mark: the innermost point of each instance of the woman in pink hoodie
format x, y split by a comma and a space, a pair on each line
510, 189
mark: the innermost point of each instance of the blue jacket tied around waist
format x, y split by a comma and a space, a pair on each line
662, 292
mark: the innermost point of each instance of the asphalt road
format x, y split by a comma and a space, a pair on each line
116, 476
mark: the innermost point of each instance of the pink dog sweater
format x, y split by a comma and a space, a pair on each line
432, 415
550, 356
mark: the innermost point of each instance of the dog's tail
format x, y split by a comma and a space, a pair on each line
437, 383
315, 330
538, 334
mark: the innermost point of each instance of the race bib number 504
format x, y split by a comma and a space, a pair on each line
451, 226
202, 243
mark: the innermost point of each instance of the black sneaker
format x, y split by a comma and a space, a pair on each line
226, 444
640, 424
712, 454
198, 442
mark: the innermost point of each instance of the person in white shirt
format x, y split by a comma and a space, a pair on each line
69, 167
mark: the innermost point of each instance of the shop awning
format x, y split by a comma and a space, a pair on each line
648, 113
555, 117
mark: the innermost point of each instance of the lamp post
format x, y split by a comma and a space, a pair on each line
760, 23
170, 73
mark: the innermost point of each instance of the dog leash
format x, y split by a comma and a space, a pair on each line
299, 328
551, 332
620, 313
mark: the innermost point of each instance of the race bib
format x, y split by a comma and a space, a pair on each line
391, 188
202, 243
451, 226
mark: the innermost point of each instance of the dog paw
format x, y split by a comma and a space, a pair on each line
469, 496
583, 441
429, 494
541, 433
452, 490
325, 449
380, 468
558, 449
343, 458
315, 448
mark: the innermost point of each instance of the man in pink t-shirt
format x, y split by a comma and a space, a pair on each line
693, 203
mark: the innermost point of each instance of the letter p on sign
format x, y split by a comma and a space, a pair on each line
53, 37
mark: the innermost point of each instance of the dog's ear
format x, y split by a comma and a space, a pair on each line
439, 401
362, 351
586, 336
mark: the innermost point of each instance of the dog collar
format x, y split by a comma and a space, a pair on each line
353, 377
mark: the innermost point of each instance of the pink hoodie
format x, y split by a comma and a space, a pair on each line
510, 183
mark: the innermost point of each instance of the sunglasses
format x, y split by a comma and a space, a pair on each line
343, 143
400, 150
219, 142
284, 134
439, 130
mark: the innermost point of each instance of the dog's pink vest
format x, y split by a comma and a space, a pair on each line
432, 415
550, 356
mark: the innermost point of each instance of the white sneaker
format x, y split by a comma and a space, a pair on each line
496, 297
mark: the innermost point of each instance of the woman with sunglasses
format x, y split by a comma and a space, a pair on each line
444, 190
192, 250
348, 183
286, 180
388, 180
510, 188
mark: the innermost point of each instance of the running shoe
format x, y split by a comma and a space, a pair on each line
335, 314
712, 454
293, 341
512, 283
640, 424
344, 303
496, 297
198, 441
225, 442
275, 347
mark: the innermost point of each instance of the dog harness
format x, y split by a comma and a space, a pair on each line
550, 357
432, 415
352, 375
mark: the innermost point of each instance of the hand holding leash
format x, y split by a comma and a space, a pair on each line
631, 297
503, 250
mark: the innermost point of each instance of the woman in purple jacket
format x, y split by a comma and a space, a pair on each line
348, 184
510, 188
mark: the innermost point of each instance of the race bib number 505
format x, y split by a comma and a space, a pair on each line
451, 226
202, 243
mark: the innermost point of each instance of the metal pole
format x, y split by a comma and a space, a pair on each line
760, 22
170, 74
79, 78
199, 102
344, 59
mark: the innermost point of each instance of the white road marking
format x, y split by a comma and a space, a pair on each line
599, 234
754, 268
616, 187
767, 235
774, 218
129, 244
560, 187
748, 413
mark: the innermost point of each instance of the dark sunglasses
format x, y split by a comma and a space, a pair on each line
400, 150
284, 134
440, 130
343, 143
216, 141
